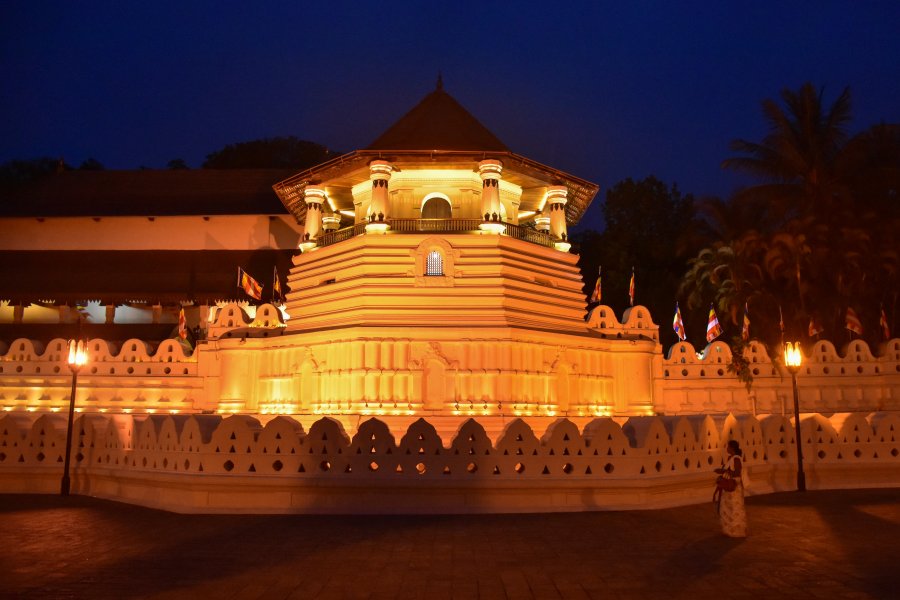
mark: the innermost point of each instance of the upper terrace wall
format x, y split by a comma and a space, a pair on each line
206, 463
135, 376
852, 380
249, 366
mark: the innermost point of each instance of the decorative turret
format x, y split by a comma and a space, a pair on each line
331, 221
490, 170
314, 198
379, 207
556, 200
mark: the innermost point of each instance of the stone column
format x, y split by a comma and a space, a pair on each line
490, 170
556, 201
314, 198
379, 205
110, 314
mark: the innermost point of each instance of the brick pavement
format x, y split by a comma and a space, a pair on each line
830, 544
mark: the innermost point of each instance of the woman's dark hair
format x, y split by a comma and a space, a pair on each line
736, 446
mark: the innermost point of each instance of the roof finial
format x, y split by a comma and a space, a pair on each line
440, 82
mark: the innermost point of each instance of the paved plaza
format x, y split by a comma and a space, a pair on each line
829, 544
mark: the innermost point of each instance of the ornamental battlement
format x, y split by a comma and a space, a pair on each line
251, 364
206, 463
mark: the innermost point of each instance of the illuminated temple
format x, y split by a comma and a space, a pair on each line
429, 275
434, 350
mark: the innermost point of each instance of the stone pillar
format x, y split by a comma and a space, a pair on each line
379, 205
556, 201
314, 198
490, 170
18, 313
542, 222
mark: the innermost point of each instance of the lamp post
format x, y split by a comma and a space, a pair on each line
76, 359
792, 360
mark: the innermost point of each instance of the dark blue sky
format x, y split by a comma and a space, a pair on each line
601, 90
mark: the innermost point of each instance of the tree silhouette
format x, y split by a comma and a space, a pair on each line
271, 153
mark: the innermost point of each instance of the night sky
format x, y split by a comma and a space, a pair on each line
601, 90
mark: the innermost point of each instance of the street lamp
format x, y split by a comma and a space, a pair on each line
792, 360
77, 358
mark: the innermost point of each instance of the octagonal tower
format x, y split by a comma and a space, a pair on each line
448, 287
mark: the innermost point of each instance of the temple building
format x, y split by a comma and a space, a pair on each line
427, 275
433, 351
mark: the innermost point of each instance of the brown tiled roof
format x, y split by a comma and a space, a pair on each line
148, 193
117, 277
438, 122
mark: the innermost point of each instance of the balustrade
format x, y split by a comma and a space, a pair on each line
437, 226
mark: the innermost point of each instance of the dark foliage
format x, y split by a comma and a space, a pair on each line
647, 223
816, 236
271, 153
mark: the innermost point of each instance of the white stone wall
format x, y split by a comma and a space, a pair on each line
852, 380
204, 463
249, 365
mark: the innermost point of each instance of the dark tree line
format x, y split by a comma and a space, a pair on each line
817, 234
271, 153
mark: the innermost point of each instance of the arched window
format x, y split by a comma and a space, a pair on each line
434, 263
436, 207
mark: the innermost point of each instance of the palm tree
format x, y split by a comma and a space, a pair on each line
797, 158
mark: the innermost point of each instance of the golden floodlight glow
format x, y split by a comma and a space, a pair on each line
77, 354
378, 228
792, 356
495, 228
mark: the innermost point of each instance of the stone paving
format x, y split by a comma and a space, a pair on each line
827, 544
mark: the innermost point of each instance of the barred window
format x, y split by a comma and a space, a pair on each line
434, 264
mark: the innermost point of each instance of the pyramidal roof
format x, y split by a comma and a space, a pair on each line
438, 122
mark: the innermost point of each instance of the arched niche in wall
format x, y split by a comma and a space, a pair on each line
435, 263
436, 206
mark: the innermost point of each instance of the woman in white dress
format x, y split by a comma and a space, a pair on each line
732, 514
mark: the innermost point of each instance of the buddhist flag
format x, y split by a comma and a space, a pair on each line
745, 330
885, 330
713, 329
631, 288
277, 294
852, 322
596, 294
815, 328
182, 325
678, 324
250, 286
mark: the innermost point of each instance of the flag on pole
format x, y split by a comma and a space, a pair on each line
885, 330
596, 294
631, 288
852, 322
182, 325
277, 294
815, 328
713, 329
745, 329
678, 324
250, 286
